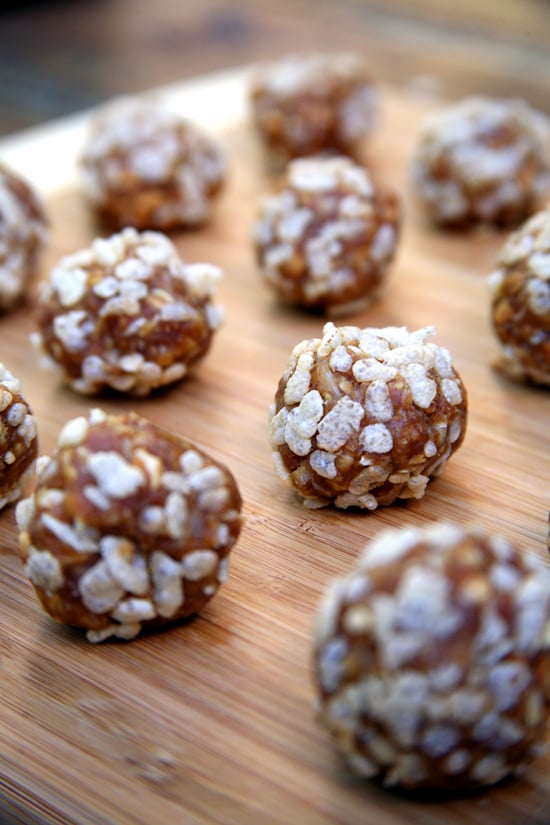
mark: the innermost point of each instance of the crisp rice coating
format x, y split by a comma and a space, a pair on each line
18, 440
363, 417
129, 526
520, 301
432, 662
482, 160
146, 166
309, 104
23, 235
127, 313
326, 238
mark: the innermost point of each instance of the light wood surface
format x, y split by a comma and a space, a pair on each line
213, 721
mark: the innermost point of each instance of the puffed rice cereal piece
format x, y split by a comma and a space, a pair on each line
23, 236
309, 104
482, 160
18, 440
127, 313
144, 165
129, 527
432, 659
520, 301
326, 238
363, 417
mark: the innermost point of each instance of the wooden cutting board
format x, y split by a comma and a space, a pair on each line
213, 721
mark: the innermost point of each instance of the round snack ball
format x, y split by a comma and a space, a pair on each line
307, 104
127, 313
18, 440
326, 239
432, 661
363, 417
146, 166
482, 160
520, 307
23, 234
130, 526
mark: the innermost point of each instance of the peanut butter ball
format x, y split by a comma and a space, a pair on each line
18, 439
482, 160
127, 314
363, 417
23, 236
129, 527
145, 165
520, 301
311, 104
326, 238
432, 659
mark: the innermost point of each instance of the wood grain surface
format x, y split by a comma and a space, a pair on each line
213, 721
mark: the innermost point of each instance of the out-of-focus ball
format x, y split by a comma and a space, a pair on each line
482, 160
311, 104
127, 314
146, 166
432, 659
520, 301
23, 235
324, 241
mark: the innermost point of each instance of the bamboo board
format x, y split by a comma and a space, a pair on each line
213, 721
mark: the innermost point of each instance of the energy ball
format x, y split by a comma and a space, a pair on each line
146, 166
432, 663
482, 160
127, 313
325, 240
18, 440
520, 308
363, 417
309, 104
129, 527
23, 235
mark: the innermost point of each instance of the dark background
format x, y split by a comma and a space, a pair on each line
61, 56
